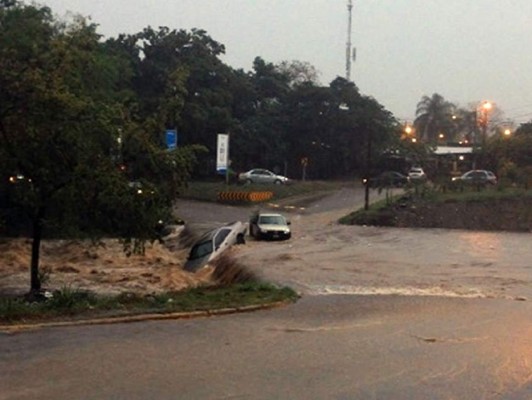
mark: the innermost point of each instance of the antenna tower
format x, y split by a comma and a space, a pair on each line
348, 47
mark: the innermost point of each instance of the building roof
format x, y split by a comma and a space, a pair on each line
444, 150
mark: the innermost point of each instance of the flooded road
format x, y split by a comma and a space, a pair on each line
370, 260
324, 257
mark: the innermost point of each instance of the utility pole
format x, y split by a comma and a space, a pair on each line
348, 47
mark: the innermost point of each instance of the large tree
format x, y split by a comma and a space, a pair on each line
433, 116
56, 119
179, 82
259, 128
63, 110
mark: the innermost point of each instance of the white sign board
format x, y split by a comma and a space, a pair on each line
222, 157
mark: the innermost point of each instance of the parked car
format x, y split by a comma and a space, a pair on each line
269, 226
417, 174
477, 177
259, 175
214, 243
388, 179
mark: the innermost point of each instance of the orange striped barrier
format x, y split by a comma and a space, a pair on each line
245, 196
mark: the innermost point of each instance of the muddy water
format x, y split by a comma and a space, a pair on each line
324, 257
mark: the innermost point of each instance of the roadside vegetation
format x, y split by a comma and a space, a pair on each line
494, 208
74, 304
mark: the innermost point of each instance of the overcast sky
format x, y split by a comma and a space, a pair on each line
466, 50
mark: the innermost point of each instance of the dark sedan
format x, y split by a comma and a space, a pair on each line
388, 179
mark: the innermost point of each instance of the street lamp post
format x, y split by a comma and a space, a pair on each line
368, 169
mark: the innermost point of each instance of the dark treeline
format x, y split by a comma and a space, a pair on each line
275, 115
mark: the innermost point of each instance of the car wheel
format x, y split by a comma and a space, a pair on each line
240, 239
277, 182
249, 181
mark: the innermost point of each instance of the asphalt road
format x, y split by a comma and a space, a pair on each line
323, 347
326, 346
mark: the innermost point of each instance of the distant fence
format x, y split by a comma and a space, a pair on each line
244, 196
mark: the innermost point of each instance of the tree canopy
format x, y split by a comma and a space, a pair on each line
69, 121
433, 116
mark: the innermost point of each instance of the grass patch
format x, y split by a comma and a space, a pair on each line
493, 207
208, 191
378, 213
472, 195
71, 304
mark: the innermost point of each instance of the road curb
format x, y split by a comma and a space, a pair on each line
13, 329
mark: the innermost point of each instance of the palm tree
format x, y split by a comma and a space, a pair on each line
433, 116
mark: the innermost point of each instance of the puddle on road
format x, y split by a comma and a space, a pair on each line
324, 290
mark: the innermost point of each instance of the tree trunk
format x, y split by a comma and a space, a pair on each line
35, 251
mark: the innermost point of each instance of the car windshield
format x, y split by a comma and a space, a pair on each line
272, 220
201, 250
220, 236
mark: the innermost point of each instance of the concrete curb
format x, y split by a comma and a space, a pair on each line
13, 329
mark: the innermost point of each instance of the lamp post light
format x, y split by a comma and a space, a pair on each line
506, 142
485, 110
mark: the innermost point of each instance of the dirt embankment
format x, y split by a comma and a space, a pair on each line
513, 214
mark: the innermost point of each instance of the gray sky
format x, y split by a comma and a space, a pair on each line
466, 50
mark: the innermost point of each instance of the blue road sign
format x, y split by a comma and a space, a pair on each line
171, 139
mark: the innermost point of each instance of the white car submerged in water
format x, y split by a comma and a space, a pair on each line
213, 243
